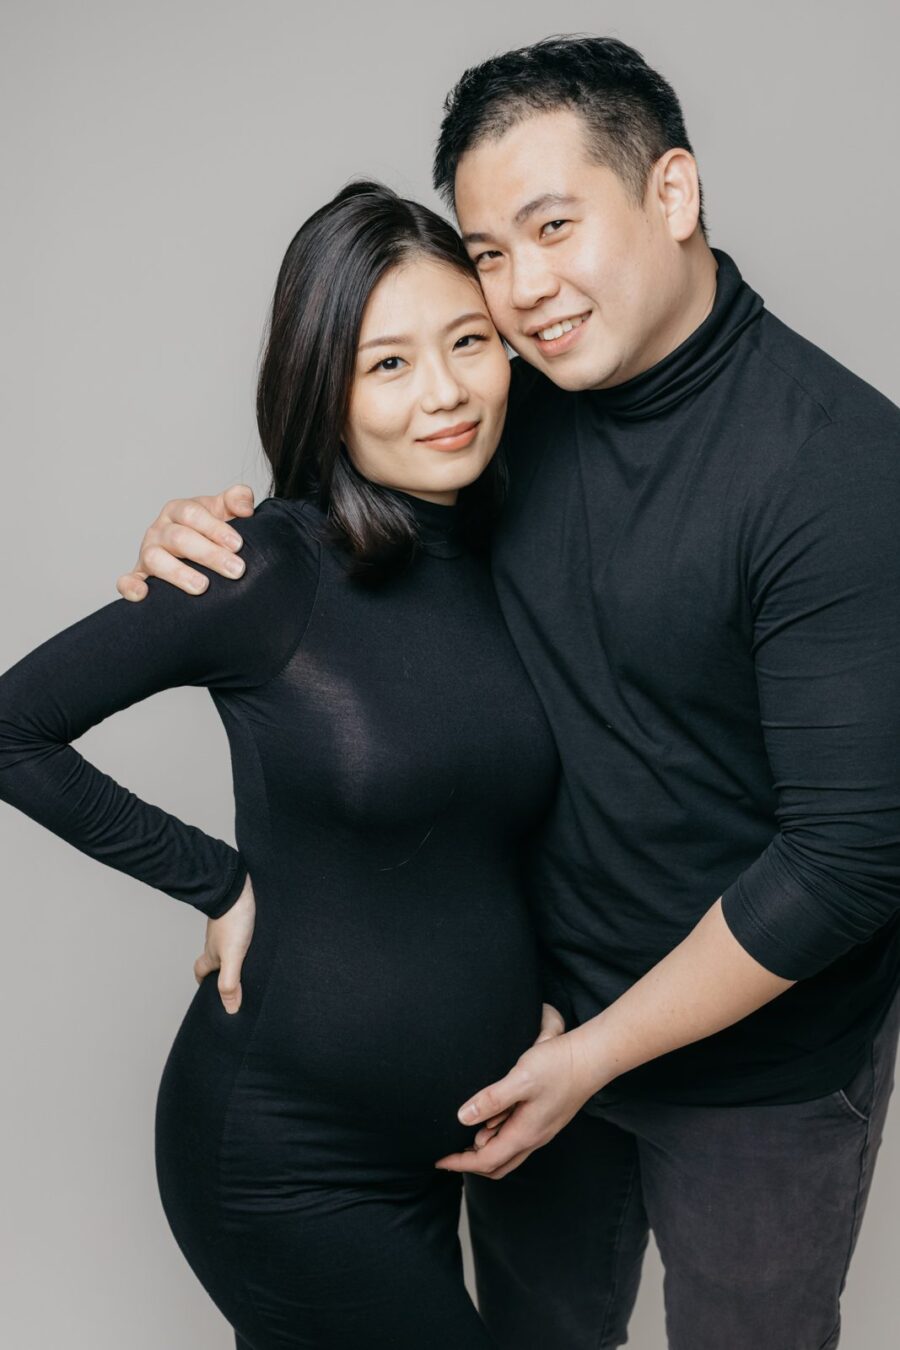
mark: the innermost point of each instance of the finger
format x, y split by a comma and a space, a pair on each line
491, 1101
192, 534
208, 515
131, 586
483, 1136
203, 966
238, 500
511, 1165
157, 561
497, 1120
182, 540
230, 986
499, 1151
552, 1024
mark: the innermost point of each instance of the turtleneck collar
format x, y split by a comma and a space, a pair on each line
696, 360
439, 526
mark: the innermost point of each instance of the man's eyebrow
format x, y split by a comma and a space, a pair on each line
524, 212
395, 340
538, 203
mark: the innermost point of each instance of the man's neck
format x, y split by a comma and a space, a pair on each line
699, 294
692, 305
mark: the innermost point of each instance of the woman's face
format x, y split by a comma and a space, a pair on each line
431, 382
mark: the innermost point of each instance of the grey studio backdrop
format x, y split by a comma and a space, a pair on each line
156, 161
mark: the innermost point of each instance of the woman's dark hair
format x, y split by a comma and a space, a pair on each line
632, 115
331, 267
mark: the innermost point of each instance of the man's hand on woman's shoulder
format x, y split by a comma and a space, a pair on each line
191, 528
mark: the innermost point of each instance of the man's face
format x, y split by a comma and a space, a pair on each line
558, 239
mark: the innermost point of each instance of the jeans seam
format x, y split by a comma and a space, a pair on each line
611, 1301
854, 1223
829, 1339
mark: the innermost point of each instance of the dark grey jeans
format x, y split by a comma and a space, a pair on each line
755, 1210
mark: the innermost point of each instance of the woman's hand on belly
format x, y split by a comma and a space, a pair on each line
227, 943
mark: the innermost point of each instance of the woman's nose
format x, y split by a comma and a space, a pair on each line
442, 389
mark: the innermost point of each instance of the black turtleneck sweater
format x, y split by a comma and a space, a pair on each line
390, 759
701, 570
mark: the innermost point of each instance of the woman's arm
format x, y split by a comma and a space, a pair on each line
237, 636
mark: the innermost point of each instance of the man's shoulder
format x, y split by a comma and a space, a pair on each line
834, 394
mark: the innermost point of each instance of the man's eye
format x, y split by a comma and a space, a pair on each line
385, 364
487, 256
553, 225
471, 338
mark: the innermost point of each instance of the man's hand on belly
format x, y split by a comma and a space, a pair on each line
541, 1093
706, 983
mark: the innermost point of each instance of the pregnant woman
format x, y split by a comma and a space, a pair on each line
390, 759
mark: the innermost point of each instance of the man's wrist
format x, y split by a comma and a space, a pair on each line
591, 1056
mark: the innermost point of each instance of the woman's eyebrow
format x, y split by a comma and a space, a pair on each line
395, 340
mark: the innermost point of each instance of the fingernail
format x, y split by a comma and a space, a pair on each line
234, 566
468, 1113
197, 586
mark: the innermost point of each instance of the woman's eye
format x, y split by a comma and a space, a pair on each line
386, 364
553, 225
471, 339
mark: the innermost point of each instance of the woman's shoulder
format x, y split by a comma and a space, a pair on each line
283, 533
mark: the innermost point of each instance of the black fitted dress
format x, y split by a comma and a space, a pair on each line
390, 759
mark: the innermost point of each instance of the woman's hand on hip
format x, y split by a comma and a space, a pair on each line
227, 943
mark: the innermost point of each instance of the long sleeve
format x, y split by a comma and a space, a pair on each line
825, 586
235, 635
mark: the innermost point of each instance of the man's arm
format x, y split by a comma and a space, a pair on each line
194, 528
705, 984
825, 589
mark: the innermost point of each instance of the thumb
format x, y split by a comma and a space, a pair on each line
229, 984
552, 1024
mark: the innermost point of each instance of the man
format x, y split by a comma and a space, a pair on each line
700, 564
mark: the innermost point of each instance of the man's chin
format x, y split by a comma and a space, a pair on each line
575, 376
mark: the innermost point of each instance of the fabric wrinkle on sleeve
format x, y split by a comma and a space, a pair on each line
825, 587
236, 634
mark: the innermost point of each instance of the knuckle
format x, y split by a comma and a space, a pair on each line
151, 556
177, 536
522, 1078
191, 512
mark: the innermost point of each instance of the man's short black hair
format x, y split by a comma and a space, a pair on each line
631, 113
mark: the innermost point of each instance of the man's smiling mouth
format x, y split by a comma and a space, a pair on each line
558, 327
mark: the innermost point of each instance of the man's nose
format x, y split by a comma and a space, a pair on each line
530, 283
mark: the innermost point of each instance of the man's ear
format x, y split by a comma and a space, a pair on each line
674, 190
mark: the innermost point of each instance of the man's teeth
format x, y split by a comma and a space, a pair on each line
557, 330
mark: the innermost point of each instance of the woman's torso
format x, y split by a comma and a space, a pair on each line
387, 779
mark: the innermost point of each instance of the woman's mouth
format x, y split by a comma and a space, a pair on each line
451, 438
